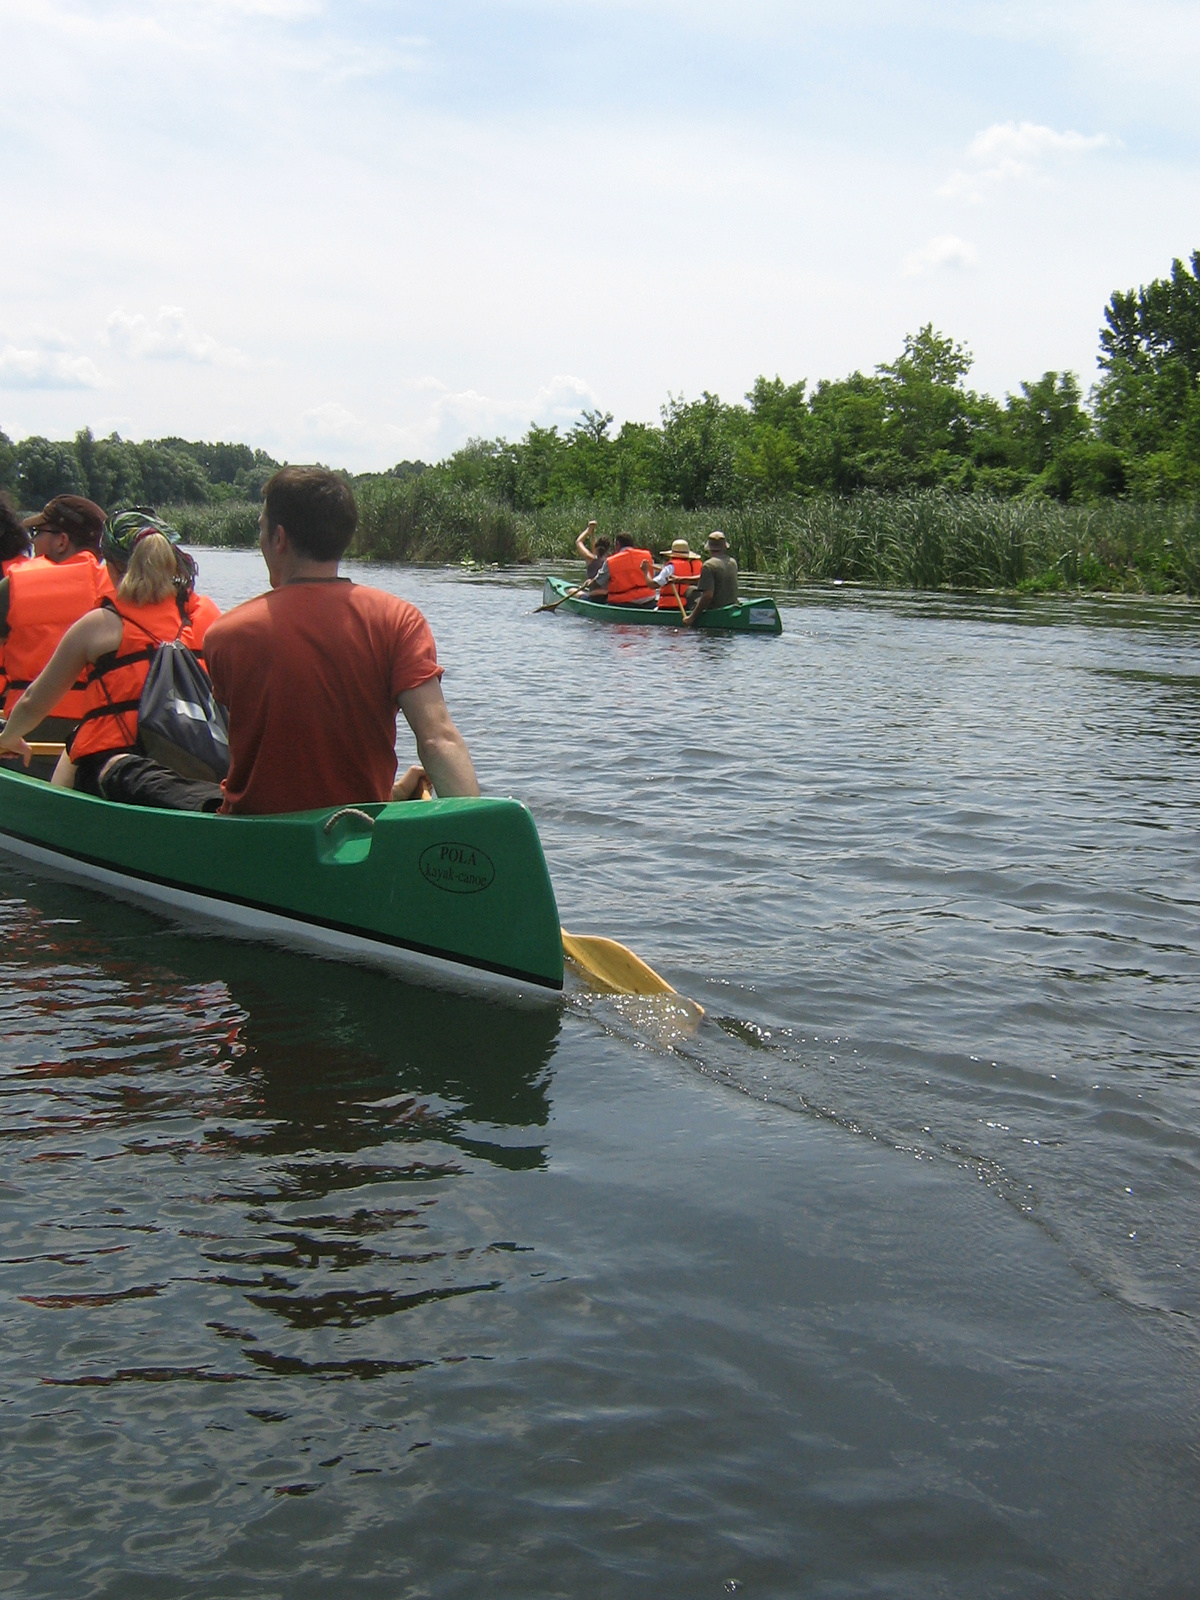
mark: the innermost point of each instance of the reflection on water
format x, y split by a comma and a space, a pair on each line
298, 1120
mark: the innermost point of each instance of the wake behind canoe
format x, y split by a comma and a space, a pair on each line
748, 616
453, 892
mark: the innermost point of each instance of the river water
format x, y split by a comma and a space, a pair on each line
884, 1282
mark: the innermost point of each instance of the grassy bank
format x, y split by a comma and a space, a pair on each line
927, 540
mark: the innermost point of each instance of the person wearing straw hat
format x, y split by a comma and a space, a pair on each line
718, 581
673, 580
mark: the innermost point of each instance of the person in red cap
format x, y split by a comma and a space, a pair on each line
40, 599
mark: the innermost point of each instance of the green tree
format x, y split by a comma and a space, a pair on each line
112, 468
586, 466
45, 468
1146, 397
771, 458
846, 450
929, 417
696, 457
635, 470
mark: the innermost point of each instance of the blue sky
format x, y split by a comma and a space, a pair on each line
365, 231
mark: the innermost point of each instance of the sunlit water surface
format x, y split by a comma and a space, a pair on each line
885, 1282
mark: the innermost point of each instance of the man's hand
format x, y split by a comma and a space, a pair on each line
413, 785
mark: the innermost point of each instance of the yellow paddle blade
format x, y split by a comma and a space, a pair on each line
609, 966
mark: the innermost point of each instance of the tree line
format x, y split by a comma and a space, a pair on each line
911, 425
116, 472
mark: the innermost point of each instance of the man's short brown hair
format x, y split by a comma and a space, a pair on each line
316, 507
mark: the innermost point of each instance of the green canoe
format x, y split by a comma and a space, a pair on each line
748, 616
453, 892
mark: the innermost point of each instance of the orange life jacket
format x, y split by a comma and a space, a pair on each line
201, 614
44, 599
13, 561
626, 585
114, 682
686, 571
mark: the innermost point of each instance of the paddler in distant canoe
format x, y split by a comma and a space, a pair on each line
621, 580
717, 584
593, 554
675, 577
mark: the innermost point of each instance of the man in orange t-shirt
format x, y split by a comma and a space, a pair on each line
312, 673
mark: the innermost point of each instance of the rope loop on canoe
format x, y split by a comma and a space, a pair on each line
349, 811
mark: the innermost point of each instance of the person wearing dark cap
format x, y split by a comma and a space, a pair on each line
111, 649
717, 584
41, 598
66, 526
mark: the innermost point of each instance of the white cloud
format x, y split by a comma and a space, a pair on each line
1010, 151
333, 429
561, 401
945, 251
43, 360
169, 337
453, 416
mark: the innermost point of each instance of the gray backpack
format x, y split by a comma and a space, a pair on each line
180, 724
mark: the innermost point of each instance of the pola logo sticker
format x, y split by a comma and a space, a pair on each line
456, 868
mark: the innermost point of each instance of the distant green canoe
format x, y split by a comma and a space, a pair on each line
453, 892
748, 616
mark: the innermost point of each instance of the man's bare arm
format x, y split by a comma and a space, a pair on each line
703, 600
441, 749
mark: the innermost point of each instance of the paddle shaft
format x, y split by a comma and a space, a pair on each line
570, 595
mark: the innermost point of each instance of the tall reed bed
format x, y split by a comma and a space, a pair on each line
232, 525
928, 540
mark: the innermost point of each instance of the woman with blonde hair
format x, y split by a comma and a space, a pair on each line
114, 645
